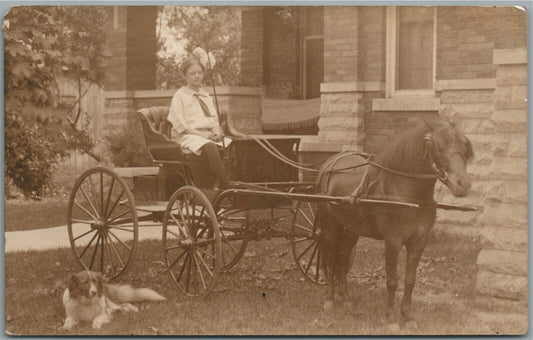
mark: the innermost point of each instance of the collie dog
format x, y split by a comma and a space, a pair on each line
88, 298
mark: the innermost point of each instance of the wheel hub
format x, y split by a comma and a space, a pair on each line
188, 243
99, 225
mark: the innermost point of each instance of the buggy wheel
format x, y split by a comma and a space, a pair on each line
102, 222
305, 238
234, 238
191, 242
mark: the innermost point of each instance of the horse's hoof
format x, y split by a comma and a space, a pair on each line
393, 328
411, 325
328, 305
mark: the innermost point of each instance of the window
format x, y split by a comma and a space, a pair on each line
312, 30
411, 33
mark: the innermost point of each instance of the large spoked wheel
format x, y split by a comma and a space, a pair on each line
191, 242
102, 222
305, 239
232, 231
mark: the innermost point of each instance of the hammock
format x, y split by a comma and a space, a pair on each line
286, 115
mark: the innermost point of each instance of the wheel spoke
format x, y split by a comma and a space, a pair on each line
306, 217
116, 253
119, 240
106, 245
119, 216
90, 177
178, 258
85, 211
123, 228
199, 269
305, 251
110, 212
301, 240
180, 227
228, 242
85, 233
302, 227
185, 264
201, 234
81, 221
317, 271
90, 202
205, 264
109, 196
311, 210
206, 253
95, 251
311, 259
205, 241
189, 265
88, 245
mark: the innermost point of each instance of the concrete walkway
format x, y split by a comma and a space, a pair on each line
57, 237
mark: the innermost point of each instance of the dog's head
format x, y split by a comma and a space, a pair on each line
86, 284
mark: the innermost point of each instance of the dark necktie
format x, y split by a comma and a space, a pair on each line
203, 105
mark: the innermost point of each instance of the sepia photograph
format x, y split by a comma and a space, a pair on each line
265, 170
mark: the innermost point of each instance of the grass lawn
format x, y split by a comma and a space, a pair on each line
25, 215
264, 294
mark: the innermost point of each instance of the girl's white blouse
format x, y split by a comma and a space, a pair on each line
186, 113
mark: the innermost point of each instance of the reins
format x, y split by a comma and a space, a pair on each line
439, 174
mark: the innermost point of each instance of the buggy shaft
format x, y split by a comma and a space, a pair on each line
321, 198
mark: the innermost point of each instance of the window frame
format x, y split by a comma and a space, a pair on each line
304, 38
392, 37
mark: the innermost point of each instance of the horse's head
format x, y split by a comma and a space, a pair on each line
449, 151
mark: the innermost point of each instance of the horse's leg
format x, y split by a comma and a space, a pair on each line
414, 251
329, 249
345, 263
392, 250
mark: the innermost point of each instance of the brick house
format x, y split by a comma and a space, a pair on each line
375, 71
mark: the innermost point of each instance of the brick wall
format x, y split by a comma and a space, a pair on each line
383, 127
141, 47
115, 76
340, 43
371, 43
467, 36
132, 44
252, 47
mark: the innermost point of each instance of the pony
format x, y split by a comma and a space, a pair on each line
406, 171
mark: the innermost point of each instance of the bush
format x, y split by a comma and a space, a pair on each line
127, 148
34, 147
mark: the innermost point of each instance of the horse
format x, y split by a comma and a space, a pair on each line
406, 171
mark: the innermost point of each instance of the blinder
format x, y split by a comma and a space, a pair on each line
437, 165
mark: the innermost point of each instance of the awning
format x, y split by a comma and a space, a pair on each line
286, 115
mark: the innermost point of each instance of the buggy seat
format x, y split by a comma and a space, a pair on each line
175, 164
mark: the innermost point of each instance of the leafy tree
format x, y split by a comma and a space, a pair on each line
214, 28
41, 45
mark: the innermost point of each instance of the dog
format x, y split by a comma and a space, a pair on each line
88, 298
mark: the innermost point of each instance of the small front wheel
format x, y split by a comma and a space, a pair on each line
305, 238
191, 242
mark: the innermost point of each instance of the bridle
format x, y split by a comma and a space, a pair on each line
437, 164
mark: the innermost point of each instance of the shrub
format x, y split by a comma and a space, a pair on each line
33, 148
127, 147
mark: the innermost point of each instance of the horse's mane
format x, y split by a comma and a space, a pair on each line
406, 154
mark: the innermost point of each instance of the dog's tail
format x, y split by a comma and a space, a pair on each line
126, 293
